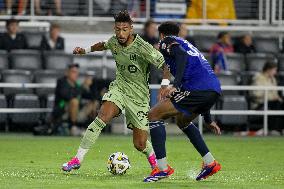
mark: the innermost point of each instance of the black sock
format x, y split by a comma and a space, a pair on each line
196, 139
158, 138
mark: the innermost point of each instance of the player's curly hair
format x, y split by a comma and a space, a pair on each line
169, 28
123, 16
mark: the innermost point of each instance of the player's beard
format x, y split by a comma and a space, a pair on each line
124, 43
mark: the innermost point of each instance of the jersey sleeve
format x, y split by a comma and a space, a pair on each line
169, 47
180, 58
109, 43
153, 56
166, 44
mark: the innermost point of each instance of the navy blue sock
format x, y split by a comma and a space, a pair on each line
196, 139
158, 138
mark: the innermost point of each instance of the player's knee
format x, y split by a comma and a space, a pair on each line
140, 145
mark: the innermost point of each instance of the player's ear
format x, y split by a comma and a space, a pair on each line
131, 28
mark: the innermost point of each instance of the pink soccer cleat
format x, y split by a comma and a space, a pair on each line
74, 163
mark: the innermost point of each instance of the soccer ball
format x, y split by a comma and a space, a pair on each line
118, 163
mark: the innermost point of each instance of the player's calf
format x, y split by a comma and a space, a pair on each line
139, 145
143, 145
147, 149
150, 154
92, 133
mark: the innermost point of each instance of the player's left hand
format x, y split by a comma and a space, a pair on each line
214, 128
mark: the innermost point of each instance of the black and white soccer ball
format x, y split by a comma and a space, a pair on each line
118, 163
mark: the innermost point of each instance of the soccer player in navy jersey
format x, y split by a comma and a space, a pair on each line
195, 90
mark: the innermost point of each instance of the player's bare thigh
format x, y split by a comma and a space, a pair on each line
183, 120
108, 111
162, 110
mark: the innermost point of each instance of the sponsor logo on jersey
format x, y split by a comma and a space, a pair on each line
132, 68
132, 57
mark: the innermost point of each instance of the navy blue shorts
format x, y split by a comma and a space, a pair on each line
196, 102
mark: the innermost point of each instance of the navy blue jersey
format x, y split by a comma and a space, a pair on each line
193, 70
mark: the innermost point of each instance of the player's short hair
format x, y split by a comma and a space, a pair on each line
268, 66
169, 28
123, 16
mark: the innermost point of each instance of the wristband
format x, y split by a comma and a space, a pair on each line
165, 82
88, 50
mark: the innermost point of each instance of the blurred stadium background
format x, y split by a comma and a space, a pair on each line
29, 73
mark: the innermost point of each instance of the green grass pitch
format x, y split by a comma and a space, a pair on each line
34, 162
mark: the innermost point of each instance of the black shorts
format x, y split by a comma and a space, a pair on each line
197, 102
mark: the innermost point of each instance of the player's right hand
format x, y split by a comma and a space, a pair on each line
166, 92
79, 50
162, 93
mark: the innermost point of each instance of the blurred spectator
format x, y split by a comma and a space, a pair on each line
136, 8
99, 87
53, 41
150, 33
275, 102
244, 45
22, 6
183, 33
68, 104
58, 10
12, 39
219, 50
